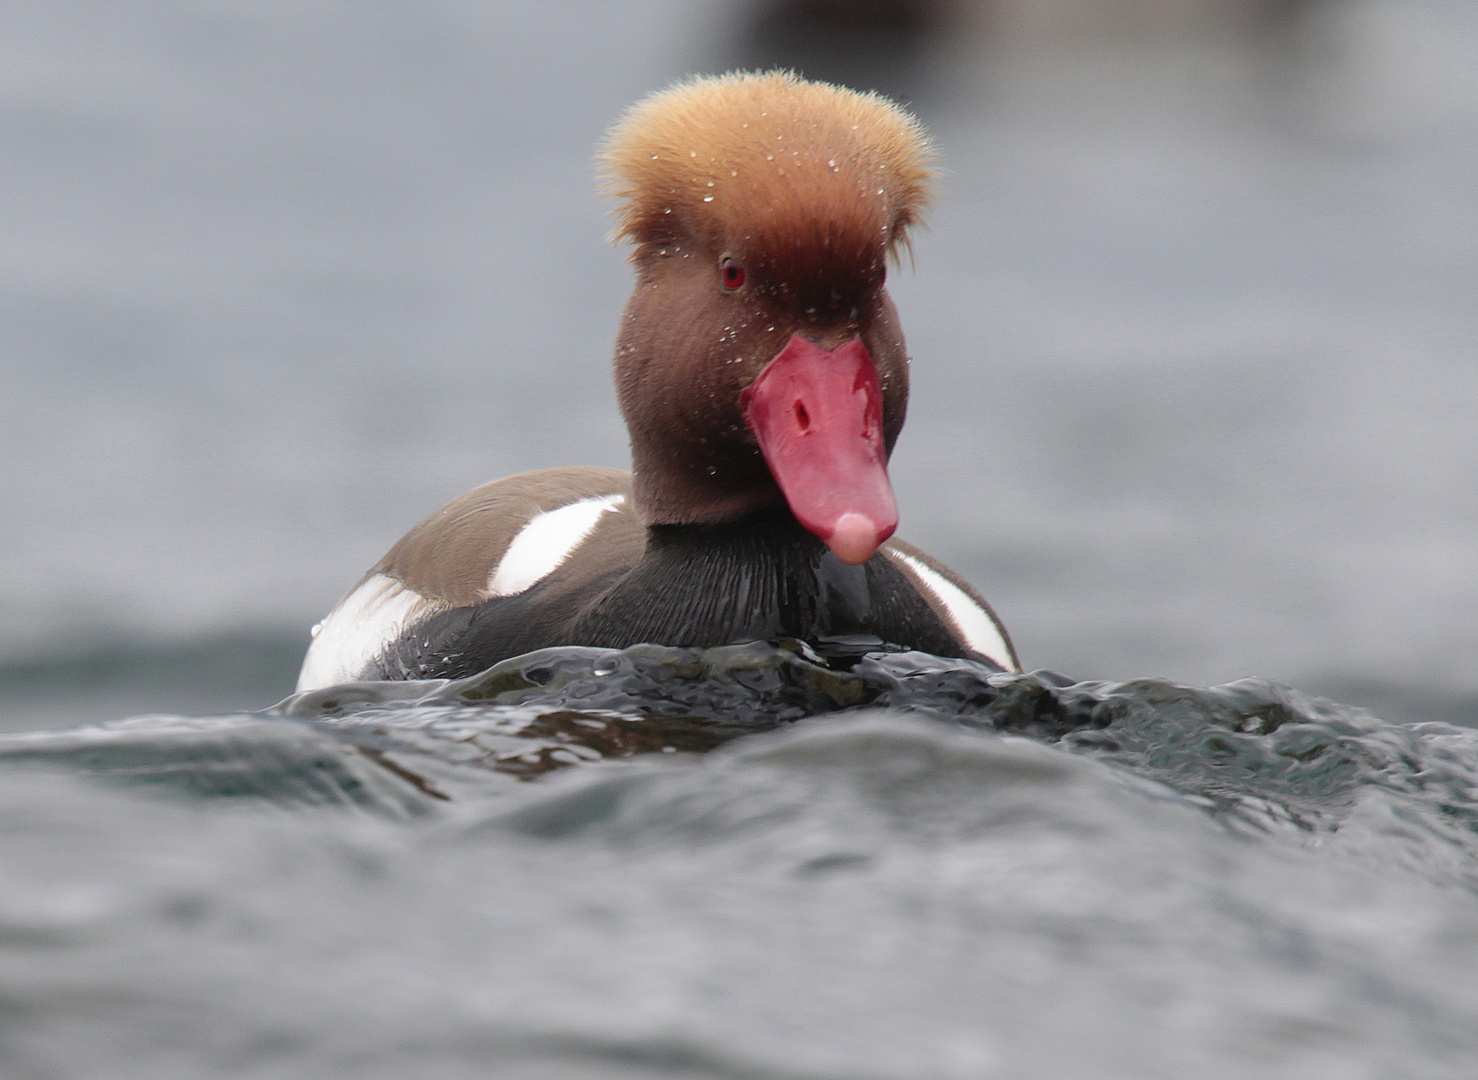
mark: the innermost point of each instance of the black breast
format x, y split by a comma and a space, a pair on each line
694, 585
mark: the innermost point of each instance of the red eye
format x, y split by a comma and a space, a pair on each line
731, 273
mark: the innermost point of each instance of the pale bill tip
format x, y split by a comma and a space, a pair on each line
855, 539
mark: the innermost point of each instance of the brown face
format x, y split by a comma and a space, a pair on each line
701, 327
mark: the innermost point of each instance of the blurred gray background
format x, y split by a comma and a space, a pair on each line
1195, 321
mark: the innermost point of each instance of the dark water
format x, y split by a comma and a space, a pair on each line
745, 862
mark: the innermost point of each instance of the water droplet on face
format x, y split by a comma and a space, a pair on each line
832, 163
710, 183
708, 198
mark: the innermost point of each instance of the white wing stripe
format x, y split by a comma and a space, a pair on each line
544, 543
369, 619
971, 620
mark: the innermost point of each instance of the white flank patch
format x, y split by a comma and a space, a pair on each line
972, 621
370, 618
545, 542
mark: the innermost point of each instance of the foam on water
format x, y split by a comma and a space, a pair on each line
745, 862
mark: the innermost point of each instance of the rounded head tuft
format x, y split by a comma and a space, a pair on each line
734, 158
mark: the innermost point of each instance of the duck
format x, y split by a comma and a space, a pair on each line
762, 374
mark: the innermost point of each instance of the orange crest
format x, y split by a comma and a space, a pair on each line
769, 166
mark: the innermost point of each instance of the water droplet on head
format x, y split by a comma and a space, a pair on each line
708, 198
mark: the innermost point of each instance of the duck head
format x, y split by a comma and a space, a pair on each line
760, 363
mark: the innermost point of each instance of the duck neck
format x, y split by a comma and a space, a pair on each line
763, 576
666, 494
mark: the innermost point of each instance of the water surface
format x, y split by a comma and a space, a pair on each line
745, 862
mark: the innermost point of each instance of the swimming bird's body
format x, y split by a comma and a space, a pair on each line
763, 377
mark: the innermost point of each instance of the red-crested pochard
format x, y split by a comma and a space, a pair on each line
762, 374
